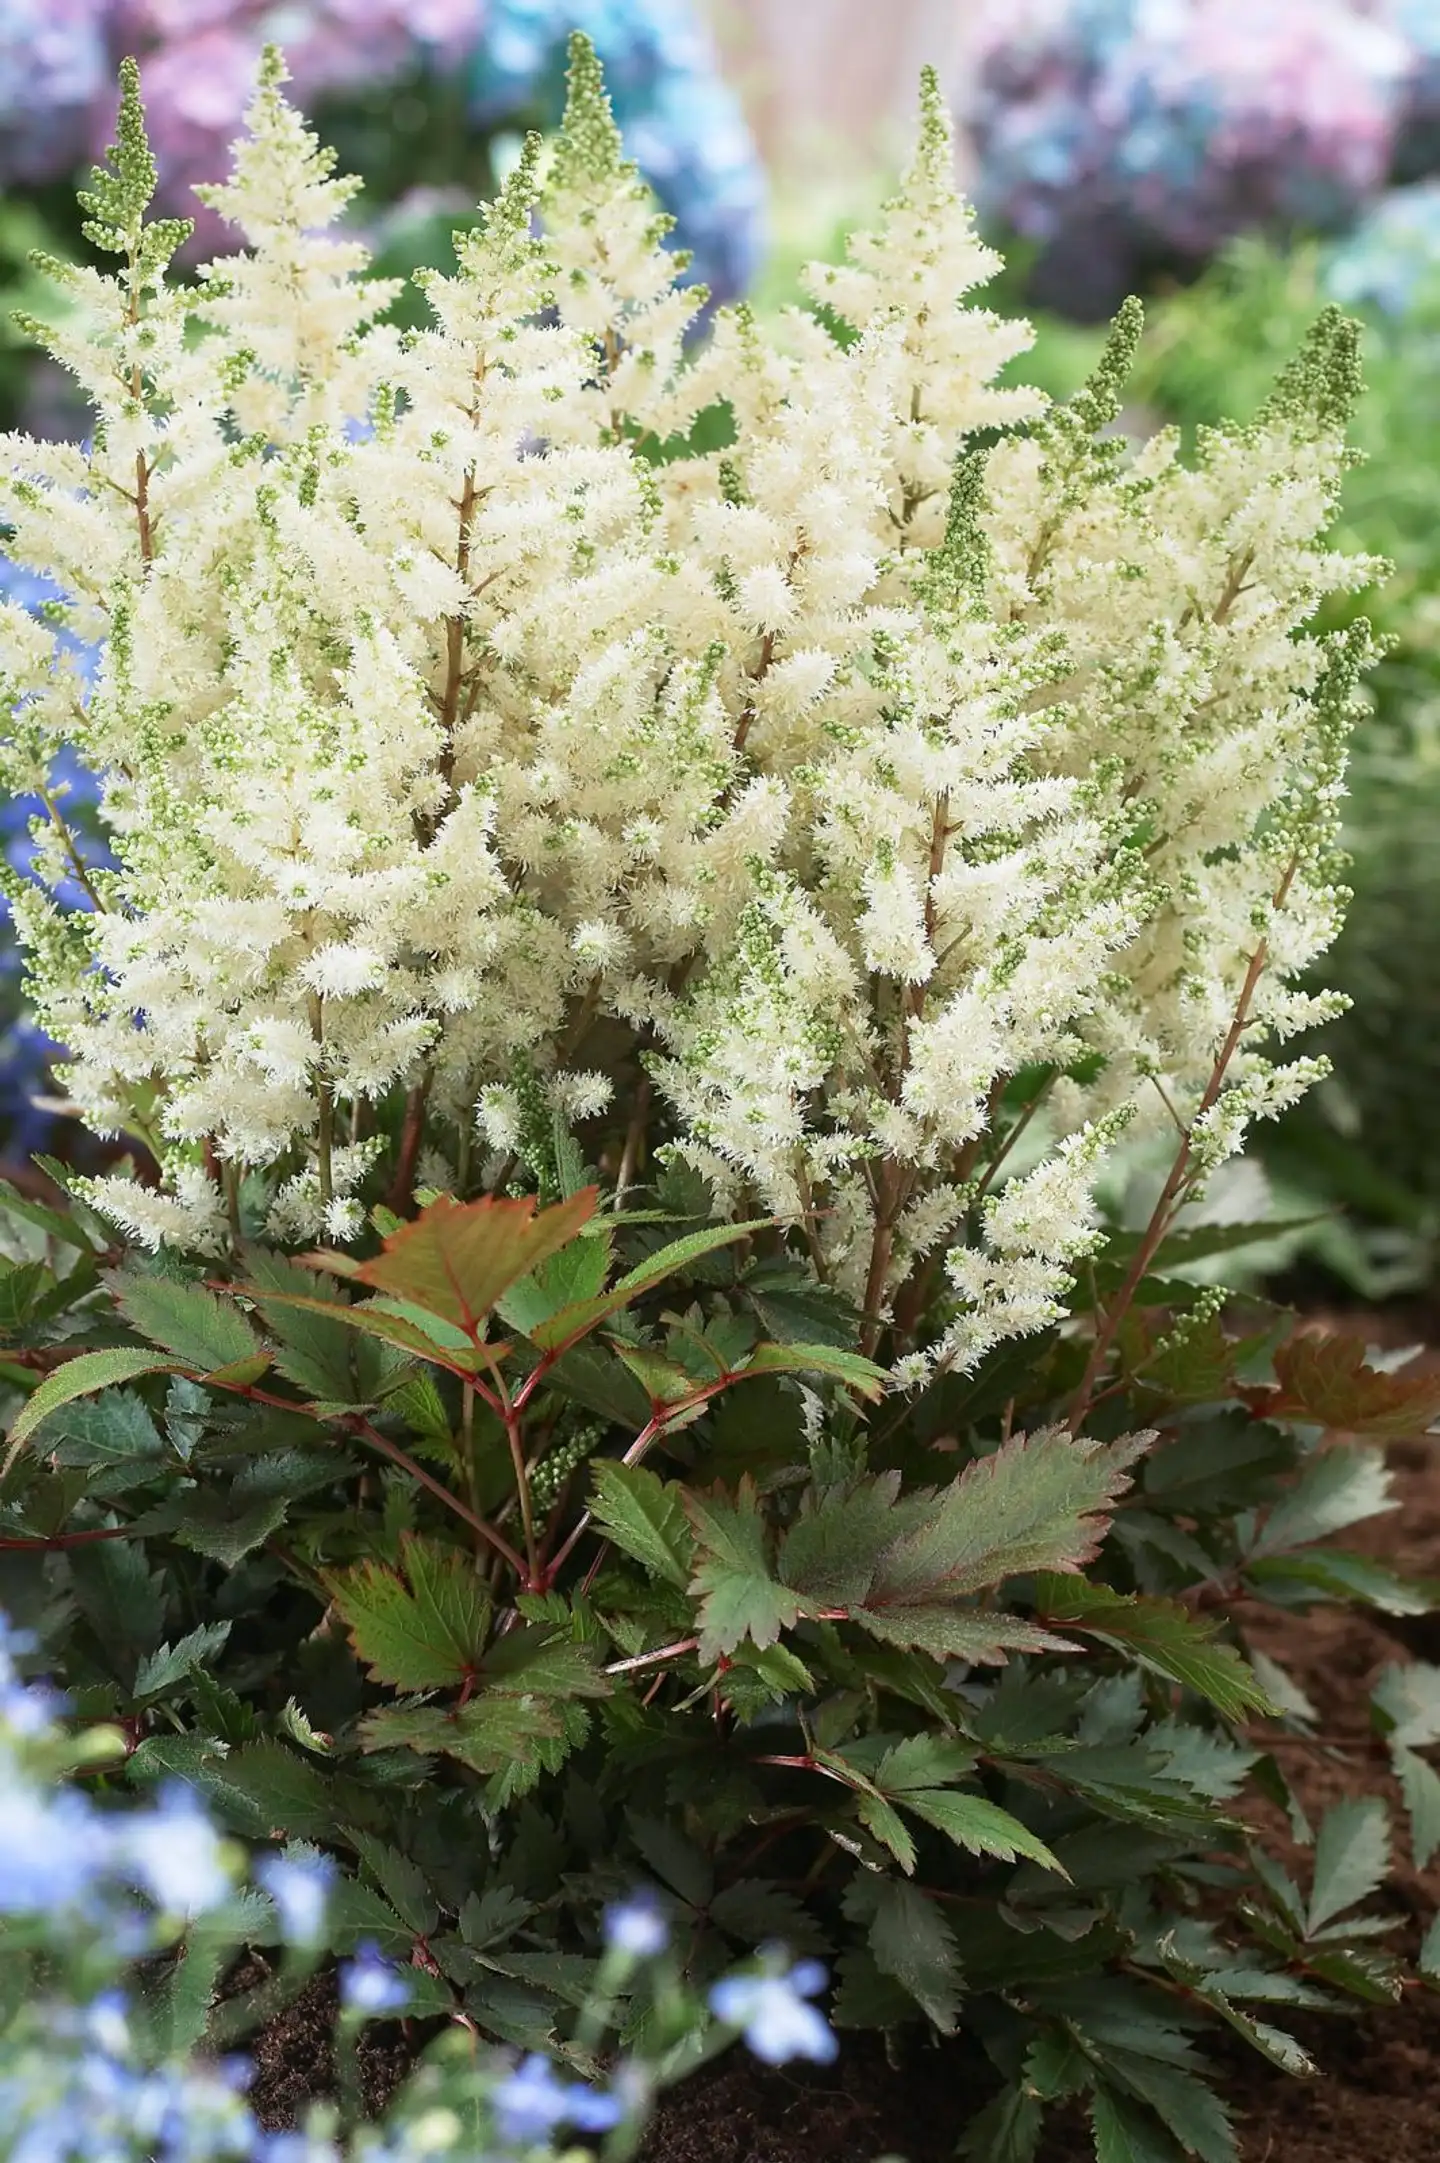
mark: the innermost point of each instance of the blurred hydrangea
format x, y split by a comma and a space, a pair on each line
1125, 135
681, 123
685, 128
1392, 256
54, 69
1417, 150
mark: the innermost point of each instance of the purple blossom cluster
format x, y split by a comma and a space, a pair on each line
57, 90
1125, 135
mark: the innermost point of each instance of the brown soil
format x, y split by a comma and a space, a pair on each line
1377, 2099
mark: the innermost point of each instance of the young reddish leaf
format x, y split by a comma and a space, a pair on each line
422, 1627
458, 1259
1326, 1380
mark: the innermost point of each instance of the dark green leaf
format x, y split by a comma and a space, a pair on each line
1336, 1489
1161, 1635
1123, 2132
910, 1940
114, 1428
1006, 2131
159, 1671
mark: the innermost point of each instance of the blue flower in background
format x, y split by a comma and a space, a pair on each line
682, 124
532, 2102
771, 2010
25, 1051
371, 1985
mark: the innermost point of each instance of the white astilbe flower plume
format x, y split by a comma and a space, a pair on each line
877, 812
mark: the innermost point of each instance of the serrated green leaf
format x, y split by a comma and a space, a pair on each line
316, 1351
491, 1734
56, 1224
84, 1376
827, 1361
1192, 2112
1273, 2043
1161, 1635
1408, 1701
738, 1595
160, 1670
1035, 1504
885, 1822
421, 1627
644, 1518
1428, 1960
387, 1322
577, 1272
591, 1376
1374, 1977
267, 1791
202, 1330
980, 1827
1420, 1786
226, 1524
114, 1428
794, 1308
570, 1323
1331, 1574
400, 1879
949, 1633
1352, 1858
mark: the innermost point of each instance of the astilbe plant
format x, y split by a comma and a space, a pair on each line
838, 837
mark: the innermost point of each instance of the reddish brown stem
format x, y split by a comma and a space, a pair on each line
412, 1136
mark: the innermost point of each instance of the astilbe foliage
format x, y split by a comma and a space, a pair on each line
838, 837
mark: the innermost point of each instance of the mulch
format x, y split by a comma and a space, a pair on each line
1376, 2099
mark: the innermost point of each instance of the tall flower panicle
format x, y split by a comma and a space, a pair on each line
917, 770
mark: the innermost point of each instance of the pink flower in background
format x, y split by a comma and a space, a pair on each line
198, 61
